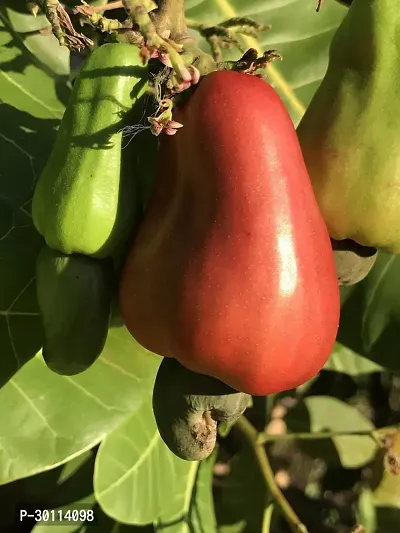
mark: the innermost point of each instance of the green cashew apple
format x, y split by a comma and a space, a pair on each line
74, 296
86, 199
349, 134
188, 406
353, 261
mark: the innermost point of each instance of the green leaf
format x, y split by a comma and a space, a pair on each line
317, 414
30, 110
57, 417
370, 321
201, 511
192, 510
28, 81
136, 476
348, 362
138, 480
43, 50
300, 35
74, 491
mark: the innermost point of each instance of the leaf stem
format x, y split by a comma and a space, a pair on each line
251, 435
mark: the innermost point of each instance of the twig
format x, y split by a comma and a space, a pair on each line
374, 433
251, 435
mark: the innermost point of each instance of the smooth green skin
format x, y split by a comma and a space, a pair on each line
84, 201
350, 133
74, 294
187, 407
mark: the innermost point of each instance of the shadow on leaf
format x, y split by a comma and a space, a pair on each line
25, 146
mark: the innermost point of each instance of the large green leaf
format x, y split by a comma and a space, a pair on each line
30, 109
136, 475
138, 480
189, 510
55, 418
31, 74
192, 509
43, 50
75, 481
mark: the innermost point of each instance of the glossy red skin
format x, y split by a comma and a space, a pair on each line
232, 271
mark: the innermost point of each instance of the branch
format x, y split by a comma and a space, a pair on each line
170, 15
251, 435
138, 11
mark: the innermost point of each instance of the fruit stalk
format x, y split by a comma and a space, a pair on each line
251, 435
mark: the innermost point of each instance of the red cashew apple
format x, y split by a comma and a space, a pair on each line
232, 271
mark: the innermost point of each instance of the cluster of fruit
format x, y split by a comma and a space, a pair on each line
231, 272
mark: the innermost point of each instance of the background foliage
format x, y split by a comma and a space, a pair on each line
91, 439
